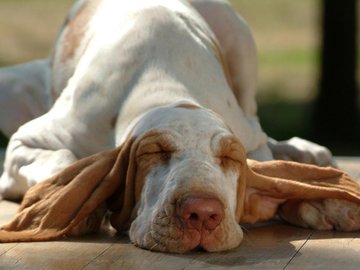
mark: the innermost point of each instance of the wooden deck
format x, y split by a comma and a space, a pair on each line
271, 246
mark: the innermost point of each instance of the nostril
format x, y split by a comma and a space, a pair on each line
200, 213
213, 221
193, 216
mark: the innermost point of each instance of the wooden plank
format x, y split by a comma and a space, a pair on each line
124, 255
265, 247
71, 254
67, 254
329, 250
269, 247
8, 210
351, 165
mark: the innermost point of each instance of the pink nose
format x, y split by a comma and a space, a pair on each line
201, 213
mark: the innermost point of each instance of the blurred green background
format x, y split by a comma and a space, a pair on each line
287, 34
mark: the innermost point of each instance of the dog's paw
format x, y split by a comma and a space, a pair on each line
300, 150
329, 214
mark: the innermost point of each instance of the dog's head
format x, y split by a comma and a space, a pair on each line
180, 181
188, 168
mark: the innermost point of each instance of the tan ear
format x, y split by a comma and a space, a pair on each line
52, 208
274, 183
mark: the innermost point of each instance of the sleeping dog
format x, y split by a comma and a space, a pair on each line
148, 114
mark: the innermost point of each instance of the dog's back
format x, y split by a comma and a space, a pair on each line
113, 62
130, 54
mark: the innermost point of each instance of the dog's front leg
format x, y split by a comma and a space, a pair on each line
300, 150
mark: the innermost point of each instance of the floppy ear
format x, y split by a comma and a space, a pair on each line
52, 208
287, 184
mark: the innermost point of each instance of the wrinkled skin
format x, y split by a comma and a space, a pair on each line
181, 162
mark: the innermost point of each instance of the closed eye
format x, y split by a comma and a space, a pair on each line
150, 148
230, 154
156, 145
153, 149
228, 162
228, 159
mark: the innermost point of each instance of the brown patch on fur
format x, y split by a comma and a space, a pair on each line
154, 149
76, 28
230, 154
188, 106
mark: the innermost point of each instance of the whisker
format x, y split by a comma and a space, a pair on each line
154, 246
246, 230
168, 237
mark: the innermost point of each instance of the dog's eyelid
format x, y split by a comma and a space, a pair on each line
155, 148
227, 160
228, 147
157, 142
229, 157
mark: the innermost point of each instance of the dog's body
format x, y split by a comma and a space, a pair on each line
164, 69
117, 76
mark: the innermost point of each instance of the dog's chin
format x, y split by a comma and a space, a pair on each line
174, 239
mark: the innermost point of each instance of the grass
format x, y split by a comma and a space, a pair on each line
28, 28
286, 32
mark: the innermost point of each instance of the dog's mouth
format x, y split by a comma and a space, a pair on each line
177, 238
198, 224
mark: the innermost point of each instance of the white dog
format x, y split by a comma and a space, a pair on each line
169, 84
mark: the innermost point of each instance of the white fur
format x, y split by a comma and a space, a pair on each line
137, 61
170, 59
